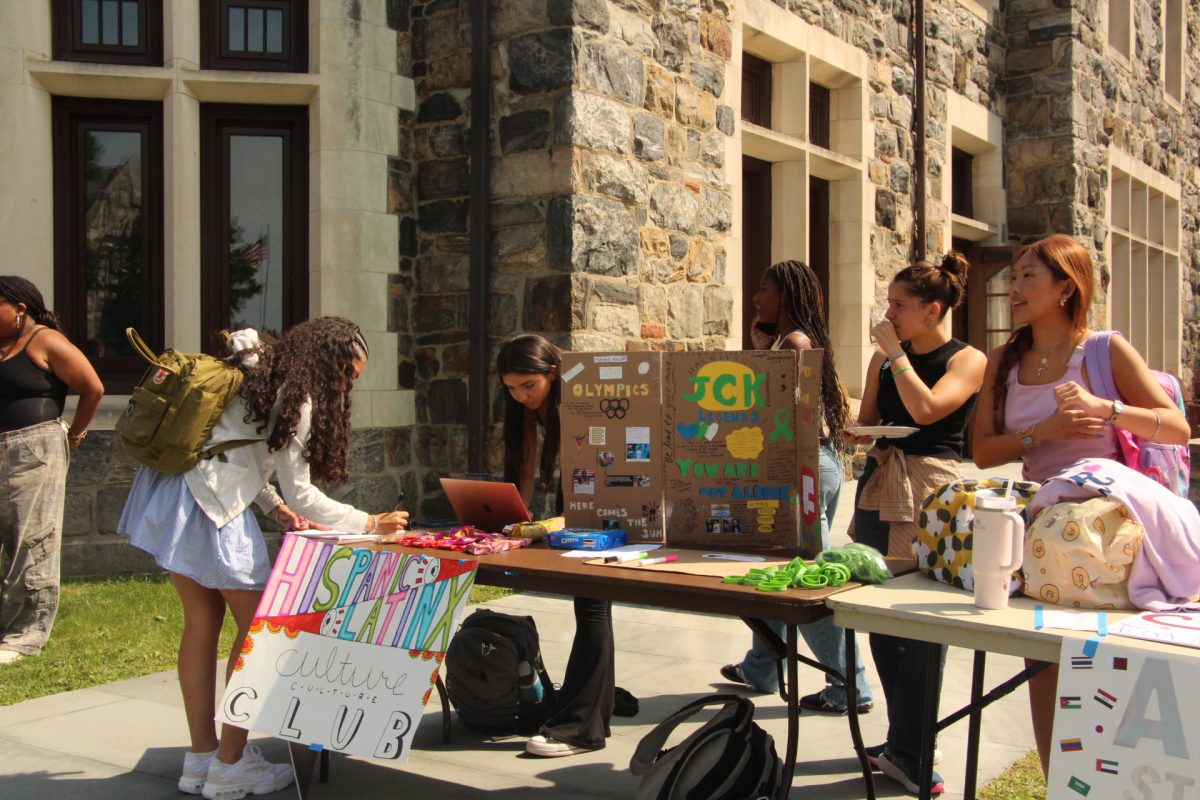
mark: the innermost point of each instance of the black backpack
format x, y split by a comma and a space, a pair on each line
729, 758
483, 672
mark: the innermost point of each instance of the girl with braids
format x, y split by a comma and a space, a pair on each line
920, 377
1036, 404
529, 367
294, 409
37, 367
790, 304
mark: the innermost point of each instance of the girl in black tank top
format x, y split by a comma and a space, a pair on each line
28, 394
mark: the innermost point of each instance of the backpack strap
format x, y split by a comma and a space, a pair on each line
651, 744
141, 348
1097, 357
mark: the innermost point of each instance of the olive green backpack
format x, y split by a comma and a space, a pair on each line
175, 406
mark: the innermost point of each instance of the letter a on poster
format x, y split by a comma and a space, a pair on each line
345, 646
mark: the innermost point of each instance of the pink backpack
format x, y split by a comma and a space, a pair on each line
1168, 464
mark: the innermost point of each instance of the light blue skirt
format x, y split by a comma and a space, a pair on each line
162, 518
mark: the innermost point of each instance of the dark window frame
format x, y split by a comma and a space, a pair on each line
819, 103
818, 233
962, 183
756, 90
219, 121
214, 36
66, 32
756, 234
72, 117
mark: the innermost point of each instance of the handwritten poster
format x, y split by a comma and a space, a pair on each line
610, 450
719, 446
1124, 726
1174, 627
345, 646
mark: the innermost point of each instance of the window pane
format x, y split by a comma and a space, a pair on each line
91, 21
108, 23
129, 23
114, 239
256, 203
274, 31
254, 30
237, 29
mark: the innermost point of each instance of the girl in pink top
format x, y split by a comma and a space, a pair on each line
1036, 404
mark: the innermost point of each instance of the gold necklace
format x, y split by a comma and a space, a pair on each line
1045, 360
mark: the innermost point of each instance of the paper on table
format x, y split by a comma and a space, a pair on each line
341, 537
1071, 620
629, 548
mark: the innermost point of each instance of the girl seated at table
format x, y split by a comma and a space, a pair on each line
919, 377
295, 406
1037, 405
529, 369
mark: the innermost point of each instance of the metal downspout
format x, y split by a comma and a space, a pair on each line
479, 351
919, 216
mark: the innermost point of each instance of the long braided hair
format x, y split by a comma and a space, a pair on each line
16, 290
1066, 259
529, 354
802, 299
312, 361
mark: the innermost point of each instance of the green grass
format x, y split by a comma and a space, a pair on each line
113, 628
1021, 781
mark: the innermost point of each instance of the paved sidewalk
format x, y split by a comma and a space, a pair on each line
126, 740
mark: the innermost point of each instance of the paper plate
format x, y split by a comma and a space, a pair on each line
883, 431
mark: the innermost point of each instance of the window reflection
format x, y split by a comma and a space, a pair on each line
256, 203
114, 238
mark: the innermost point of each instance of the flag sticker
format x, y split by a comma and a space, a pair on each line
1104, 698
1104, 765
1070, 702
1120, 662
1071, 745
1079, 786
1081, 662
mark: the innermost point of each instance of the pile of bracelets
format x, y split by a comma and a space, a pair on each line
797, 574
464, 539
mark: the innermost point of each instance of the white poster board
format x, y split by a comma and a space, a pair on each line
346, 645
1125, 725
1174, 627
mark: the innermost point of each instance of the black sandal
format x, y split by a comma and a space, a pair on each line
625, 704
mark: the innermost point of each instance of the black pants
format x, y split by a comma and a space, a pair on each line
585, 702
901, 663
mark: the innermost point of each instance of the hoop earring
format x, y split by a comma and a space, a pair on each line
20, 323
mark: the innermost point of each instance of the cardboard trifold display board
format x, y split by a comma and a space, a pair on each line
712, 449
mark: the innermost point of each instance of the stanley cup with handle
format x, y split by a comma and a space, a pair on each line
997, 548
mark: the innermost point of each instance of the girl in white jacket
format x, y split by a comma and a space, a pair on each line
294, 406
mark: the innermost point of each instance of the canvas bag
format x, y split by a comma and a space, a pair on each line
1079, 554
483, 664
175, 406
944, 529
1169, 464
728, 758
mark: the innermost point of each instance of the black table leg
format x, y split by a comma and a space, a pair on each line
793, 710
852, 713
929, 729
304, 763
973, 724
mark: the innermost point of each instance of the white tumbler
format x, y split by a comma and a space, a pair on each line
997, 548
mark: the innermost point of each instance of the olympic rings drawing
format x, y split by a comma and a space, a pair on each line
615, 409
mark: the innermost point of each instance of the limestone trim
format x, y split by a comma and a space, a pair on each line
976, 130
1174, 77
986, 10
1117, 30
802, 54
1144, 259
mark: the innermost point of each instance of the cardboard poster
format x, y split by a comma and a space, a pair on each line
1123, 726
611, 455
345, 646
730, 449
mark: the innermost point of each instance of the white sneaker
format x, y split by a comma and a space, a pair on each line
9, 656
252, 775
549, 747
195, 771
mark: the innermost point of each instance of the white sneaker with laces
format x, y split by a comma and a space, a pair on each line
252, 775
549, 747
195, 771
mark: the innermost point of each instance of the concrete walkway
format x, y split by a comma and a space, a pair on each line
127, 739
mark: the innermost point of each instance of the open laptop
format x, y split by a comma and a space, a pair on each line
488, 505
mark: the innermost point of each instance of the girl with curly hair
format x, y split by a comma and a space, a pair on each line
294, 415
791, 316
